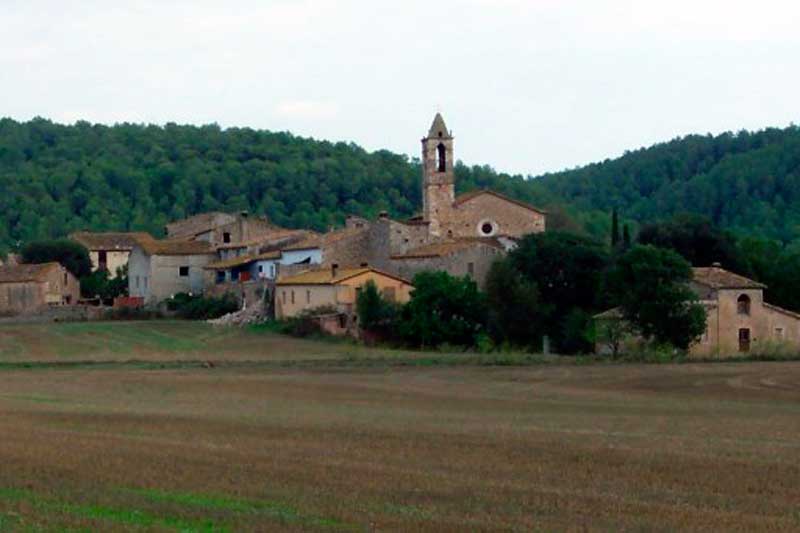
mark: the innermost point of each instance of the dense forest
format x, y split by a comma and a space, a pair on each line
56, 179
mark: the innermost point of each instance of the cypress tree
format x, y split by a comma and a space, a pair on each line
614, 228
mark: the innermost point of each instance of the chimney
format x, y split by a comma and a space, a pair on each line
334, 269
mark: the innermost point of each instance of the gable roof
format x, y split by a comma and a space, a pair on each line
152, 246
26, 272
108, 240
321, 240
466, 197
242, 260
326, 276
719, 278
442, 249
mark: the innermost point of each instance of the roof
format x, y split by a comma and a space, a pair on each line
613, 313
108, 240
152, 246
442, 249
242, 260
781, 310
26, 273
438, 128
466, 197
326, 276
326, 239
201, 223
270, 237
719, 278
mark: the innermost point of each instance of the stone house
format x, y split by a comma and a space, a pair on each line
27, 289
159, 269
108, 251
738, 320
336, 288
219, 228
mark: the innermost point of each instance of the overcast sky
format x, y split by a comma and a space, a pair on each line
527, 86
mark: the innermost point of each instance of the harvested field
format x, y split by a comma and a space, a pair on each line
552, 447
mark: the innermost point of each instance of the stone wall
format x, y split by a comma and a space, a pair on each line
474, 262
468, 219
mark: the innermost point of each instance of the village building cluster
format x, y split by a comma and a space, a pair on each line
290, 271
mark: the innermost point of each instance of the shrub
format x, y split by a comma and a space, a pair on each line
193, 307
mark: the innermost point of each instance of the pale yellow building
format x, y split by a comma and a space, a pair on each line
109, 251
334, 287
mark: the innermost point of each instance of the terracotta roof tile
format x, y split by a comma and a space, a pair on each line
108, 240
442, 249
174, 247
719, 278
26, 272
325, 276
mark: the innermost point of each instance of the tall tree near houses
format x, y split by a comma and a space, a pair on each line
614, 228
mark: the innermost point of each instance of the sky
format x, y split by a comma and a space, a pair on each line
526, 86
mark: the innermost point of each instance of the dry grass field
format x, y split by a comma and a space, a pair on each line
323, 446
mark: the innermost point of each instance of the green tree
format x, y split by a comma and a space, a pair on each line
652, 288
568, 271
72, 256
615, 239
443, 309
516, 312
375, 313
98, 284
696, 239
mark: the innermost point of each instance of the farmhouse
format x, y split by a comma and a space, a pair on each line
218, 228
28, 289
335, 288
738, 320
108, 251
158, 270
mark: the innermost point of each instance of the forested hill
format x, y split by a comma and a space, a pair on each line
746, 182
56, 179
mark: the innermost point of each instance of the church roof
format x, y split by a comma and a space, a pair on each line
466, 197
438, 128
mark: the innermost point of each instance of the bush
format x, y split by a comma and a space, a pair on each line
193, 307
132, 313
305, 323
73, 256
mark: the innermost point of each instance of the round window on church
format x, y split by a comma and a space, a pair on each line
487, 228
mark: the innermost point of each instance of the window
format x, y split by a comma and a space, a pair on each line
272, 271
183, 271
145, 282
743, 304
66, 279
471, 269
226, 237
220, 276
102, 260
260, 269
486, 228
137, 282
308, 297
779, 333
292, 296
283, 294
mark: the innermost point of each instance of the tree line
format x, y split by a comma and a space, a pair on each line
57, 179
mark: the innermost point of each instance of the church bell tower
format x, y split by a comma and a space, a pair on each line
438, 180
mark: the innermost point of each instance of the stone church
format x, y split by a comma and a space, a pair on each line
476, 214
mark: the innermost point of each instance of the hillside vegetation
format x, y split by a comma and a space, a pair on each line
56, 179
